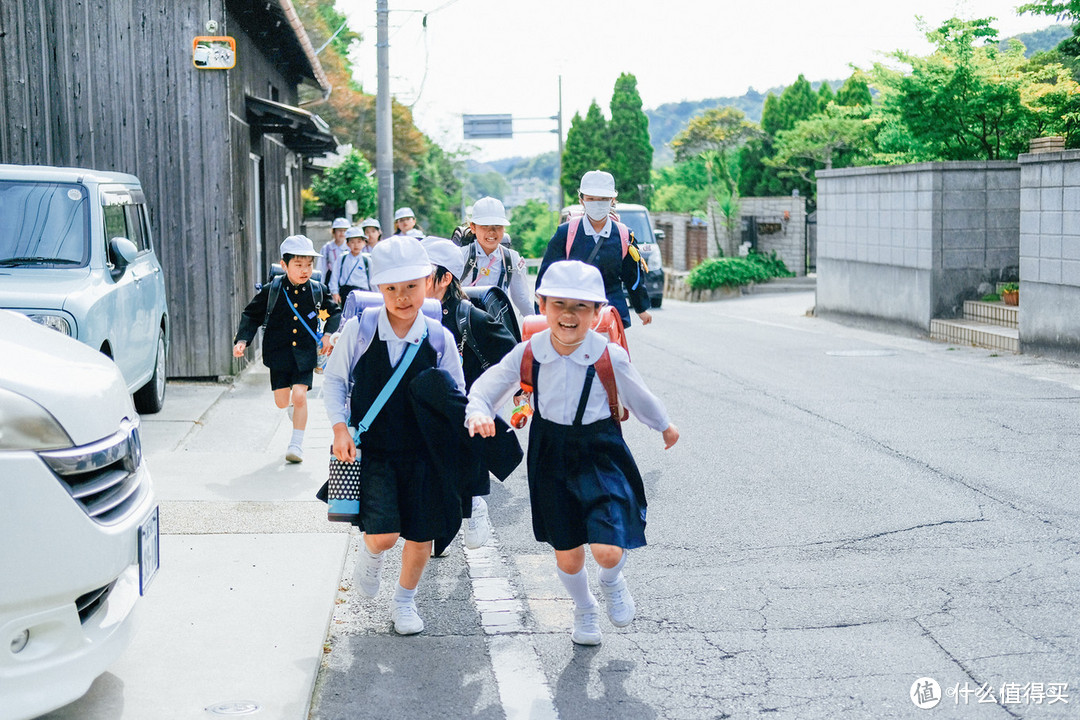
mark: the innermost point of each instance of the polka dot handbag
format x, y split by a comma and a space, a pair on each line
343, 491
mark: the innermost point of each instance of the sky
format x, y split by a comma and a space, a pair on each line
506, 56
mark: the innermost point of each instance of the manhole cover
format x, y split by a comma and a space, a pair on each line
232, 709
861, 353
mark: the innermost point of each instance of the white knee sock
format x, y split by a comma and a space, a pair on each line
578, 587
402, 595
297, 437
609, 576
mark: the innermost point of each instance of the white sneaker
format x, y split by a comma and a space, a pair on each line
406, 620
368, 569
477, 528
620, 605
295, 454
586, 626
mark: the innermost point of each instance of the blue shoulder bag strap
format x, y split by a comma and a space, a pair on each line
388, 388
317, 335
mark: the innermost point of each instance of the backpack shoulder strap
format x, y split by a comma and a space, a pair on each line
369, 325
607, 378
436, 337
624, 236
317, 293
272, 297
470, 264
468, 337
571, 231
528, 383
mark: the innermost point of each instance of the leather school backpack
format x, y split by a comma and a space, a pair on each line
277, 277
496, 303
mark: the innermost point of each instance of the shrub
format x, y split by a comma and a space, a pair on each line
726, 272
772, 263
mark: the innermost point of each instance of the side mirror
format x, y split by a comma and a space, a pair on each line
660, 234
122, 252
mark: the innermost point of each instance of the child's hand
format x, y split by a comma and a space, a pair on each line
327, 345
671, 435
239, 348
481, 425
344, 447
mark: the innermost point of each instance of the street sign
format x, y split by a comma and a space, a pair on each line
487, 127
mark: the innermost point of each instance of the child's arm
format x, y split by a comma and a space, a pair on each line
491, 390
637, 398
250, 321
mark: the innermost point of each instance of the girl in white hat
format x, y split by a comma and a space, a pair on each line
402, 493
584, 486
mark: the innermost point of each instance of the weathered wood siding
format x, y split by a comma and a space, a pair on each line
109, 85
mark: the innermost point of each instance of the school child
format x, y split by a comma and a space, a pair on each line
402, 492
332, 251
372, 233
487, 262
583, 484
289, 309
405, 223
351, 271
482, 341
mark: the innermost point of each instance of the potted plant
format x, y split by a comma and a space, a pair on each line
1010, 293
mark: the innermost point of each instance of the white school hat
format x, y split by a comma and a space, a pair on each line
340, 224
370, 222
403, 212
444, 253
354, 232
574, 280
397, 259
489, 211
298, 245
598, 184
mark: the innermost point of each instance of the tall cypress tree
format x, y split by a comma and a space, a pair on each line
772, 120
586, 148
825, 95
797, 102
854, 92
630, 151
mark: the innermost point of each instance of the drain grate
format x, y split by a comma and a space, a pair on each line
234, 709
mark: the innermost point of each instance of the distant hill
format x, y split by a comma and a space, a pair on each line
1041, 40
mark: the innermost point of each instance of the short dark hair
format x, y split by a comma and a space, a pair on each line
454, 288
287, 258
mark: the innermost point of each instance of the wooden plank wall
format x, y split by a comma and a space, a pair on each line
109, 85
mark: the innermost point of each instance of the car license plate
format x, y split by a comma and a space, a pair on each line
149, 556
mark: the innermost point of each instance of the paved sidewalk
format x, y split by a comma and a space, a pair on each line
250, 567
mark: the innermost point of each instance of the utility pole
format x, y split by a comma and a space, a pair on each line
384, 121
558, 180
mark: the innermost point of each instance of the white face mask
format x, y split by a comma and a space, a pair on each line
597, 209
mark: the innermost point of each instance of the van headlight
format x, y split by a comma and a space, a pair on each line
25, 425
55, 322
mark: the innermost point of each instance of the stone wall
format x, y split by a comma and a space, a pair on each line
909, 243
785, 219
1050, 254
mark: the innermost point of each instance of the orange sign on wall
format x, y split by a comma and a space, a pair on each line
213, 52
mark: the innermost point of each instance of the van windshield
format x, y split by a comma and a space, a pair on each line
43, 223
638, 221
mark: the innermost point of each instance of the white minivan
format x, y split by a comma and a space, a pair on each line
78, 517
76, 255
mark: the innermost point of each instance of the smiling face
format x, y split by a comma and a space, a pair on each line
404, 301
569, 321
489, 236
299, 268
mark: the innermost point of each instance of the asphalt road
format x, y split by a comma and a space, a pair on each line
846, 513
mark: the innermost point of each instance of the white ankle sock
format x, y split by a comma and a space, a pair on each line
403, 595
578, 587
372, 555
609, 576
297, 437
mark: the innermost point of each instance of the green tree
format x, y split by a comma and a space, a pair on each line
586, 148
825, 96
349, 180
681, 188
797, 102
854, 91
434, 192
963, 102
631, 152
772, 115
813, 143
719, 131
534, 223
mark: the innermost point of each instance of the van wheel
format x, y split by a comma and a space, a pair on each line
655, 300
150, 398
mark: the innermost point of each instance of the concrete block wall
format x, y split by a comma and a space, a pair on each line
909, 243
1050, 254
790, 242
